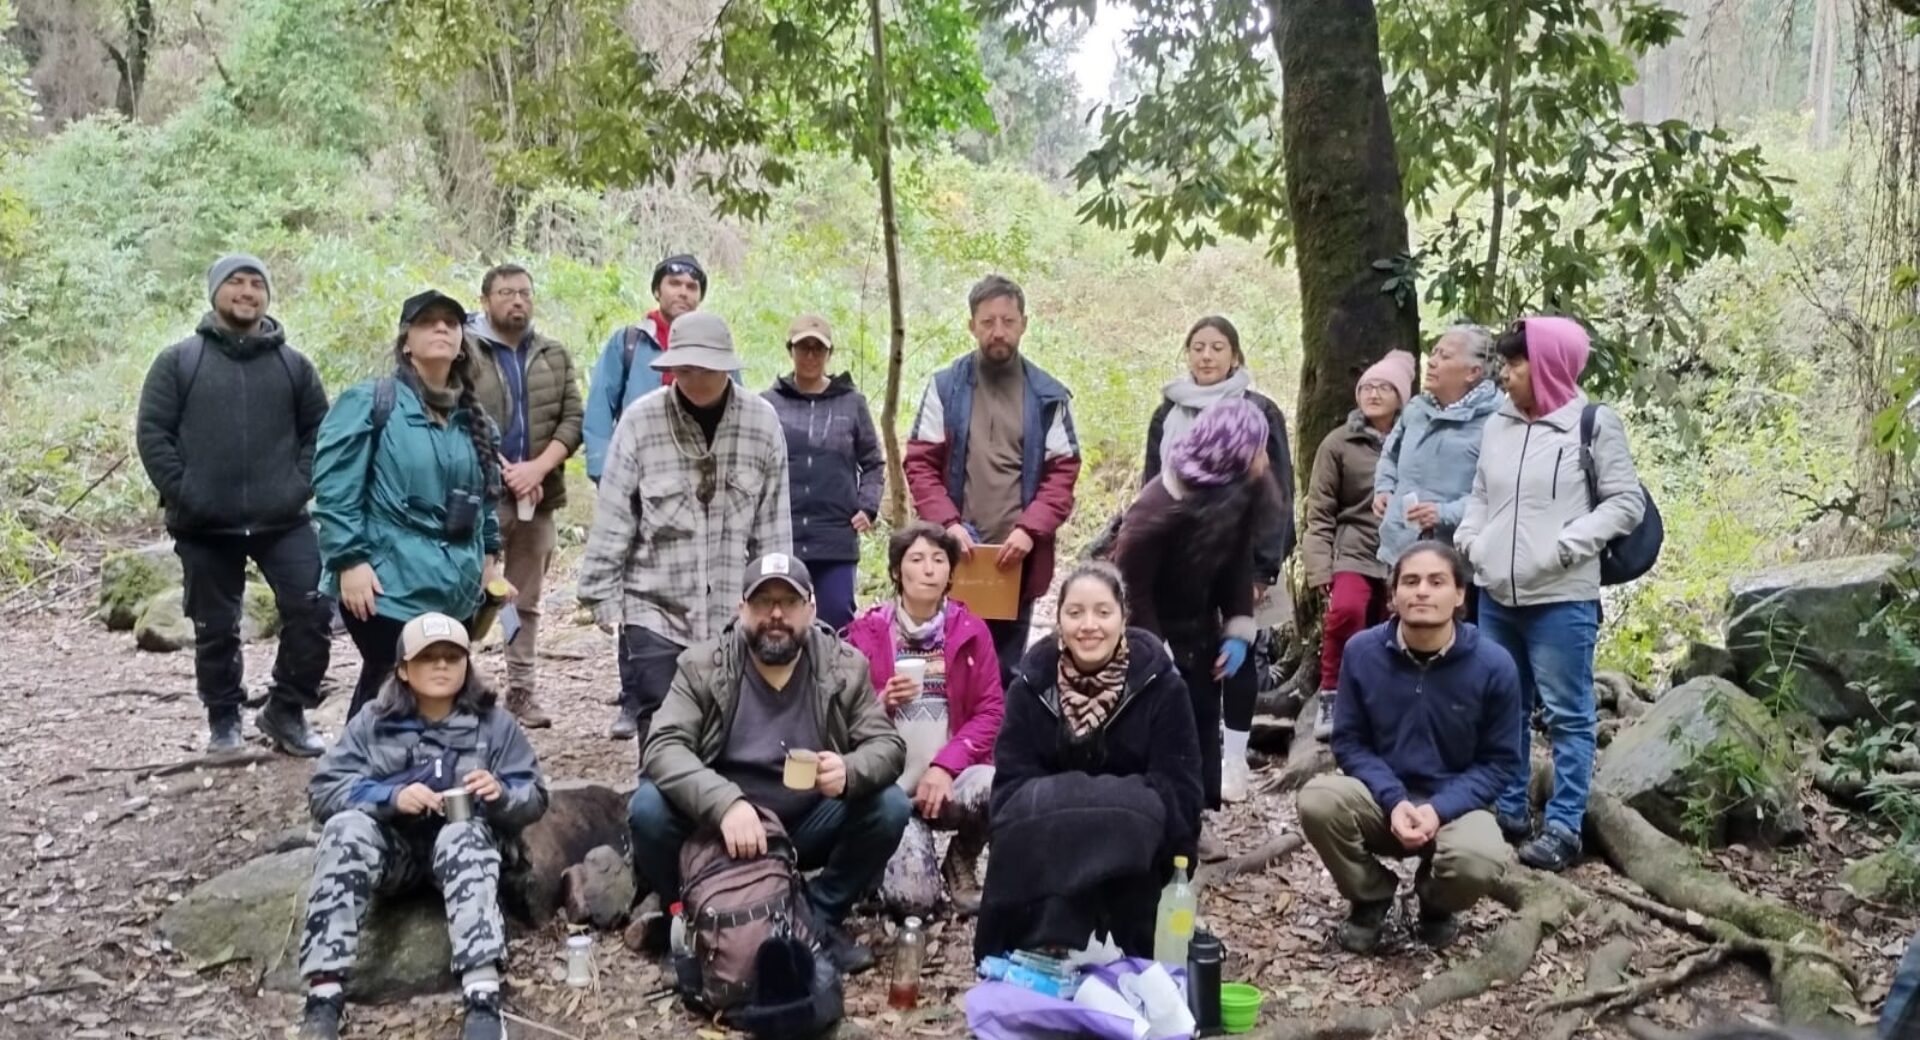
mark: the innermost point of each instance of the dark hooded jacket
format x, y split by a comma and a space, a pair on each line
834, 466
226, 430
1102, 797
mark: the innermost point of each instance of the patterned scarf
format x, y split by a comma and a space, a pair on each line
1086, 700
920, 639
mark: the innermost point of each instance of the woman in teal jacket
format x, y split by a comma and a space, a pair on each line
405, 476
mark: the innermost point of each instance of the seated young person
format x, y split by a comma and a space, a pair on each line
1096, 785
960, 690
771, 682
380, 795
1426, 733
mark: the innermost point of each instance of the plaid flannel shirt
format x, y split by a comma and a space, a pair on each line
677, 522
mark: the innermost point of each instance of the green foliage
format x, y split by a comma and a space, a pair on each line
1034, 100
1736, 774
568, 98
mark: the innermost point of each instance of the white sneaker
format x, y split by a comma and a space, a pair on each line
1323, 720
1234, 778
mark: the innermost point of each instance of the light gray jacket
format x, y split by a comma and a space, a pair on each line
1530, 530
1432, 452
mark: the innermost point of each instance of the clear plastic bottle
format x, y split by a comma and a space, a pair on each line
1174, 928
909, 953
580, 961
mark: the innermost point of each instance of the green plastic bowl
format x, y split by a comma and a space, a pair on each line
1239, 1006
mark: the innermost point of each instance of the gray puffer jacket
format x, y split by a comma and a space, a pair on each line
834, 464
360, 770
1531, 531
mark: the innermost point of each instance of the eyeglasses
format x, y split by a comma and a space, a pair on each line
1377, 388
514, 294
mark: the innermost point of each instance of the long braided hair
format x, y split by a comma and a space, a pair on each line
481, 428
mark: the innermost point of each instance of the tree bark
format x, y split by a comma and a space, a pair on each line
1829, 43
1344, 196
896, 504
1490, 279
131, 63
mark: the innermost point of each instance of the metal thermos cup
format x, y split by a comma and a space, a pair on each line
458, 804
1204, 954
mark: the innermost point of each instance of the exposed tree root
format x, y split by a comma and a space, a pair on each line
152, 770
1808, 988
1275, 850
1307, 757
1541, 903
1607, 968
1625, 994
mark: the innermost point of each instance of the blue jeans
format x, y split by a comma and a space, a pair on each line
1553, 646
833, 591
1900, 1015
850, 841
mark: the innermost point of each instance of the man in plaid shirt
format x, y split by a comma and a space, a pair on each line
694, 488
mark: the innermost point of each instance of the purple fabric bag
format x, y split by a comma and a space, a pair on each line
1003, 1011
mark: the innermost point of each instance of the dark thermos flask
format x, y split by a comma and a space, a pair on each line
1204, 954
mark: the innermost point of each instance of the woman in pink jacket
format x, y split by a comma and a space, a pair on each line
960, 691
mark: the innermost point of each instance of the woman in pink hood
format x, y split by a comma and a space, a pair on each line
1534, 536
958, 691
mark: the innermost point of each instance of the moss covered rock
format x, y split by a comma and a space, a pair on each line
129, 579
163, 627
259, 615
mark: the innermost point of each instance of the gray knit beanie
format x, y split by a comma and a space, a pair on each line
225, 267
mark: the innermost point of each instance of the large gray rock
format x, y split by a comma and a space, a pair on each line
1706, 736
163, 626
254, 912
1701, 660
1796, 634
259, 614
129, 579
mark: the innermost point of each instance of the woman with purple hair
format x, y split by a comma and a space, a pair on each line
1187, 548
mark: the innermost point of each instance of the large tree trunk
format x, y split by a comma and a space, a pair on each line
896, 505
132, 62
1820, 79
1343, 190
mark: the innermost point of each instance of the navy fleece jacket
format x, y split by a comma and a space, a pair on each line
1446, 733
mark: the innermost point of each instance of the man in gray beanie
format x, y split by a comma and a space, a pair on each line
227, 423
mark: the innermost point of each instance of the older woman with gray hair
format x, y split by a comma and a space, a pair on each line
1425, 474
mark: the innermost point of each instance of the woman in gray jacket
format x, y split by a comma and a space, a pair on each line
1427, 462
391, 819
1535, 536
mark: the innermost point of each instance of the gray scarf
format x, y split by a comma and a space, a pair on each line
1189, 400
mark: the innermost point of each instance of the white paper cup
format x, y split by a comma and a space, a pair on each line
914, 668
524, 508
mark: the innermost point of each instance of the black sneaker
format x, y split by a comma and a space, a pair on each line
626, 727
1360, 932
1554, 850
223, 733
286, 726
322, 1018
1437, 929
849, 956
1515, 829
483, 1020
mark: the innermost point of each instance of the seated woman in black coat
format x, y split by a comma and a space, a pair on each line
1097, 785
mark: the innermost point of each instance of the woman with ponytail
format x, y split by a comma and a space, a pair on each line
405, 477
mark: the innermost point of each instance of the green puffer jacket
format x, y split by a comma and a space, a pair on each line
690, 729
554, 408
393, 513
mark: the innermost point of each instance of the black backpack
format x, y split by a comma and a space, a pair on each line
1634, 553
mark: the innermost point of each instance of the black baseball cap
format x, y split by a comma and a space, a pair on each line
777, 567
419, 302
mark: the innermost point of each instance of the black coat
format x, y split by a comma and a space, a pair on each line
1086, 877
1276, 540
228, 440
1189, 563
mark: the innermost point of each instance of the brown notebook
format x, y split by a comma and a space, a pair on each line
988, 591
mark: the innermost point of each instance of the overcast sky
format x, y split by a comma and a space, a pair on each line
1094, 64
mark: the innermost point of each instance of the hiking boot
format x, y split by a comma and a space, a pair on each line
1554, 850
626, 727
285, 725
961, 873
1235, 777
649, 930
849, 956
223, 733
483, 1020
526, 708
1515, 829
1323, 719
321, 1021
1437, 928
1360, 932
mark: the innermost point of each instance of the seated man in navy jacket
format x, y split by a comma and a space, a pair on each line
1427, 730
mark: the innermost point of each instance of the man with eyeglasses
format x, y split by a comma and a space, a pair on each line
526, 384
695, 486
771, 683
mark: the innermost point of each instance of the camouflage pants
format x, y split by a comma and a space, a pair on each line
361, 857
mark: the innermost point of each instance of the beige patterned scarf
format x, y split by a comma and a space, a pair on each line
1087, 700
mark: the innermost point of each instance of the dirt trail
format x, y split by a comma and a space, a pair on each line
89, 860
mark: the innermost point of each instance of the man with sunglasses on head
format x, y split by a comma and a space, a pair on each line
695, 486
